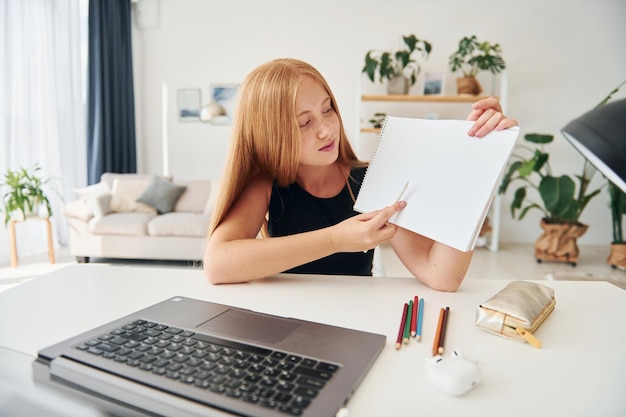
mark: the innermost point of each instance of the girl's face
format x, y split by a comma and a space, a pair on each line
318, 123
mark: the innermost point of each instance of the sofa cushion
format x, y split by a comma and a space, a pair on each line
128, 224
212, 201
97, 198
125, 192
100, 205
78, 209
161, 194
195, 197
93, 190
179, 224
108, 177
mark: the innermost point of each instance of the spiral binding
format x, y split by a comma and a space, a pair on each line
373, 157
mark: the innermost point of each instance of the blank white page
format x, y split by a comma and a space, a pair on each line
452, 176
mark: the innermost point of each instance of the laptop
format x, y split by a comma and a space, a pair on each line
188, 357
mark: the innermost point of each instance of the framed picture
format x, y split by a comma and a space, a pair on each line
433, 83
189, 105
225, 96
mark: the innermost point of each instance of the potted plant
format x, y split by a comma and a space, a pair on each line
23, 193
617, 203
378, 119
401, 67
560, 204
470, 58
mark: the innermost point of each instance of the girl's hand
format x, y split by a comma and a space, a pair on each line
365, 231
487, 114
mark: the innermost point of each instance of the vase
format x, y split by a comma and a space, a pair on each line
468, 85
34, 212
617, 257
558, 242
398, 85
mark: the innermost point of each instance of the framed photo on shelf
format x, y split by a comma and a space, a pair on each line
189, 105
433, 83
225, 96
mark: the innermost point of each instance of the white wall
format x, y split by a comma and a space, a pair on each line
563, 57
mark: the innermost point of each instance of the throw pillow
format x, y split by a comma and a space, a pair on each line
125, 192
93, 190
100, 205
97, 197
195, 196
161, 194
78, 210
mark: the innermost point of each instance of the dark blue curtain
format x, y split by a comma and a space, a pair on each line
110, 112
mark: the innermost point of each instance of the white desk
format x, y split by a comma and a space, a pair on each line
580, 371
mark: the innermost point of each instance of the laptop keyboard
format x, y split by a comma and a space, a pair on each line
267, 378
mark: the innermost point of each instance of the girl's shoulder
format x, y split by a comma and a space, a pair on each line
259, 185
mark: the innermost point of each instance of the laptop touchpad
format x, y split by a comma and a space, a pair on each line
250, 325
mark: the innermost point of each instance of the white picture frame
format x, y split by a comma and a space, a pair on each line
434, 83
189, 104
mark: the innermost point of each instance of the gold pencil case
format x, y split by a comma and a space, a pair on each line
517, 311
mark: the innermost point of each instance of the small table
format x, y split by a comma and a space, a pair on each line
13, 243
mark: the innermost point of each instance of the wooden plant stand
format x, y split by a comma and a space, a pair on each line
13, 240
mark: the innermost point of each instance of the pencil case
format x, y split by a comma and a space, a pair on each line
517, 311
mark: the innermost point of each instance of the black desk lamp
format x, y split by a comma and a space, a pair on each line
600, 136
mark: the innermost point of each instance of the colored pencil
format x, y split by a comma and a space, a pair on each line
414, 317
402, 192
420, 315
401, 331
442, 336
435, 350
407, 323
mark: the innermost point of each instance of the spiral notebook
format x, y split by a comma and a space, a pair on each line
451, 176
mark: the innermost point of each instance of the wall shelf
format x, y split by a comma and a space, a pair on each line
399, 98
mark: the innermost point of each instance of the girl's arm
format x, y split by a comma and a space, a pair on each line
439, 266
234, 254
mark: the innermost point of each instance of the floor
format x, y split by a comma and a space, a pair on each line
511, 261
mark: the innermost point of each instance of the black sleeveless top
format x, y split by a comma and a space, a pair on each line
293, 210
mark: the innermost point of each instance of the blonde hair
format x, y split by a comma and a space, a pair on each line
266, 139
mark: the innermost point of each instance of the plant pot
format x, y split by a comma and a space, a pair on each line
558, 242
28, 213
398, 85
617, 257
468, 85
34, 212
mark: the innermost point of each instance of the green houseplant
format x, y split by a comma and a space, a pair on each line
23, 193
617, 205
561, 205
472, 57
398, 67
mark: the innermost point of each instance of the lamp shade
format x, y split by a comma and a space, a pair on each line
600, 136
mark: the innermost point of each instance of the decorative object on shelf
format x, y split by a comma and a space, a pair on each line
211, 112
24, 194
599, 136
220, 110
561, 205
377, 120
401, 67
472, 57
433, 83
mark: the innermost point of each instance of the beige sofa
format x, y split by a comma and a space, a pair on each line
138, 216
